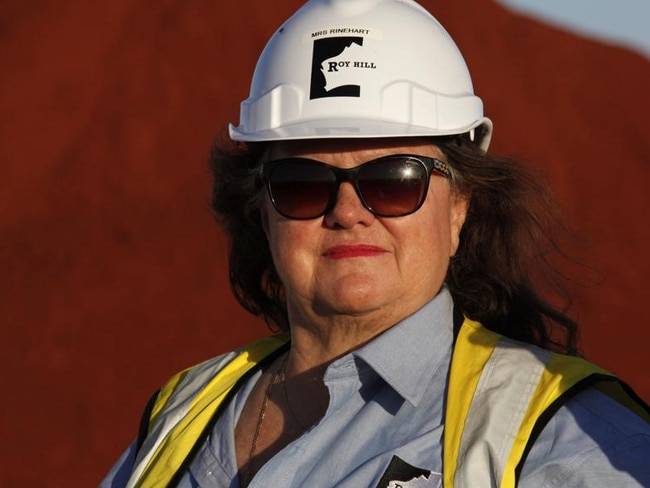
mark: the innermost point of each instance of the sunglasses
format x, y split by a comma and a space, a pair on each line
390, 186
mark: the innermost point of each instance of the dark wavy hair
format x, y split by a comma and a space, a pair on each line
502, 263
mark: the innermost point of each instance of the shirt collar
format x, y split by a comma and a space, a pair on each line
409, 354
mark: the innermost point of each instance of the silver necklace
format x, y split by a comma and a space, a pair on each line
286, 399
278, 376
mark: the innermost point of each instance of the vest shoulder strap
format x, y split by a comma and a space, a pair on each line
498, 391
185, 407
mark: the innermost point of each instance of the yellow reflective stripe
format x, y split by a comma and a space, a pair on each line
165, 393
561, 373
502, 397
176, 446
474, 346
473, 349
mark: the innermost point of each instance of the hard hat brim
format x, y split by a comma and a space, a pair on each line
350, 128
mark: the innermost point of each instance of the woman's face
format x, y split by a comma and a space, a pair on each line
350, 263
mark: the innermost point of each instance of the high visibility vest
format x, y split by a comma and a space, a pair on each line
501, 393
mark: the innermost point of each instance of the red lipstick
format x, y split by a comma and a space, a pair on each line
352, 251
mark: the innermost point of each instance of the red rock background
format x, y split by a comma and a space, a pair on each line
112, 271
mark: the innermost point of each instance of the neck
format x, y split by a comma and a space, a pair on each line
317, 341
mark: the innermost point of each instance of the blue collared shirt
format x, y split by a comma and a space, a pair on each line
386, 406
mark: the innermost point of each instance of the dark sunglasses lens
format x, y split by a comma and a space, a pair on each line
301, 189
393, 186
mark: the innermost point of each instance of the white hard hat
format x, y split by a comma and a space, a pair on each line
361, 68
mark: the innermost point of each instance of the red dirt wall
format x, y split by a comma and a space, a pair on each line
113, 273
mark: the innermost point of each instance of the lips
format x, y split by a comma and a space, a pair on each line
353, 251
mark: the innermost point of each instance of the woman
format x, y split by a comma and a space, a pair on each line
371, 227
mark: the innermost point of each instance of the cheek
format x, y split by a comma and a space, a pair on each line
274, 235
282, 251
290, 242
435, 236
278, 239
275, 227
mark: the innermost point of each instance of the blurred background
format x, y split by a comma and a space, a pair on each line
112, 272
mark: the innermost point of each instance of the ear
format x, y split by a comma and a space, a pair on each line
458, 212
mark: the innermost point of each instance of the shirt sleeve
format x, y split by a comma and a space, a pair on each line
592, 441
121, 471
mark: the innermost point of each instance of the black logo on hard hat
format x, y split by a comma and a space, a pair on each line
330, 67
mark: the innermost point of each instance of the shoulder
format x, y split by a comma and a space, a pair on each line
591, 441
190, 381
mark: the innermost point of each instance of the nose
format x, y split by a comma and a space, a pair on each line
348, 209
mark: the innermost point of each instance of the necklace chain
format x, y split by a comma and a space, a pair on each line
278, 376
286, 397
